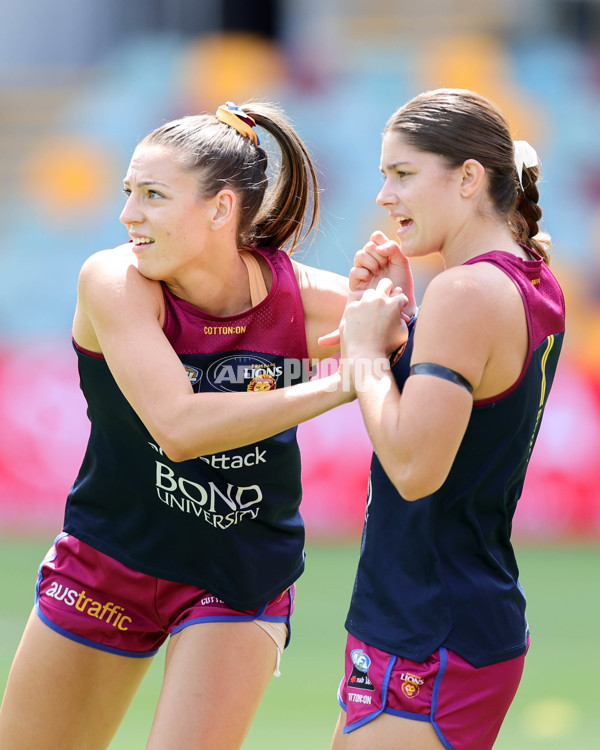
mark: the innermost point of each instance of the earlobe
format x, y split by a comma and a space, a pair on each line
473, 174
223, 209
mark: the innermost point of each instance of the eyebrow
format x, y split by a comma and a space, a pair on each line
395, 165
146, 183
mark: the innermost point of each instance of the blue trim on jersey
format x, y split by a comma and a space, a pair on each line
87, 642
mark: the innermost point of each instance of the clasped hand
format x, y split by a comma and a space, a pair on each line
380, 302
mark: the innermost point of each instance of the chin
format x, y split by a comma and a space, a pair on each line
147, 272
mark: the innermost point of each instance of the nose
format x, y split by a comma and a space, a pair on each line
385, 196
131, 213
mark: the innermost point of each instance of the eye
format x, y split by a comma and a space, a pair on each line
154, 194
126, 192
399, 174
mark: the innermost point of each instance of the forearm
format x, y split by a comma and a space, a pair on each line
379, 400
207, 423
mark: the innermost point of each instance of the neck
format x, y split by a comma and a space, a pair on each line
221, 289
477, 238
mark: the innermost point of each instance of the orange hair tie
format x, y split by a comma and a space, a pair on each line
234, 116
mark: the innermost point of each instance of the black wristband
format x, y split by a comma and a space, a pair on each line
410, 324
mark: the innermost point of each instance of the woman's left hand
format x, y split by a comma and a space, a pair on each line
374, 325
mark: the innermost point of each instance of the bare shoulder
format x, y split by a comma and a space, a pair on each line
324, 296
110, 273
472, 317
311, 279
479, 287
105, 264
112, 295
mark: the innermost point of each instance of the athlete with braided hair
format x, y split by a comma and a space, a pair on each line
183, 521
437, 628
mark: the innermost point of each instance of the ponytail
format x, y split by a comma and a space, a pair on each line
225, 151
527, 213
282, 215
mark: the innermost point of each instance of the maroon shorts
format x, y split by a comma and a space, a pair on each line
91, 598
465, 705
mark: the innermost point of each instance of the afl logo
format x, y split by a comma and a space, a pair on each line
359, 679
360, 660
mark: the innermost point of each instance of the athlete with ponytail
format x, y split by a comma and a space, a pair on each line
437, 628
193, 342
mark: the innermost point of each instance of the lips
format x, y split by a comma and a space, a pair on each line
403, 223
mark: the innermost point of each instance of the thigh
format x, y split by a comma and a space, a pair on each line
387, 732
215, 676
66, 694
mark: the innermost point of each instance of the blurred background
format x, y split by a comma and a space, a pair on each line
81, 82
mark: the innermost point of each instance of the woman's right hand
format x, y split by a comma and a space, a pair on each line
382, 258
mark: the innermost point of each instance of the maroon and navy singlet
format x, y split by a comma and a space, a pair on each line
441, 571
227, 522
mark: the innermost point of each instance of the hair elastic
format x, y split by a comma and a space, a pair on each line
232, 115
439, 371
525, 156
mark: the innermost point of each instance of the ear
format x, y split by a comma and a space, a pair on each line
222, 210
472, 176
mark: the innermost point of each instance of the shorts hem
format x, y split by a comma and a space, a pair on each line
374, 714
227, 618
426, 718
441, 737
361, 722
88, 642
408, 715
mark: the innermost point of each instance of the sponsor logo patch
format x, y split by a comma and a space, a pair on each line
359, 679
109, 612
411, 684
253, 372
194, 374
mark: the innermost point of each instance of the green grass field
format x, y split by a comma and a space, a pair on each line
557, 707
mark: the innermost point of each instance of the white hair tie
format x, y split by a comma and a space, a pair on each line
525, 156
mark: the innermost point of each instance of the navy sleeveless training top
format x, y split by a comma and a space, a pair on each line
228, 522
441, 571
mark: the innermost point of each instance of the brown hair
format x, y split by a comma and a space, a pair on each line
458, 124
223, 157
